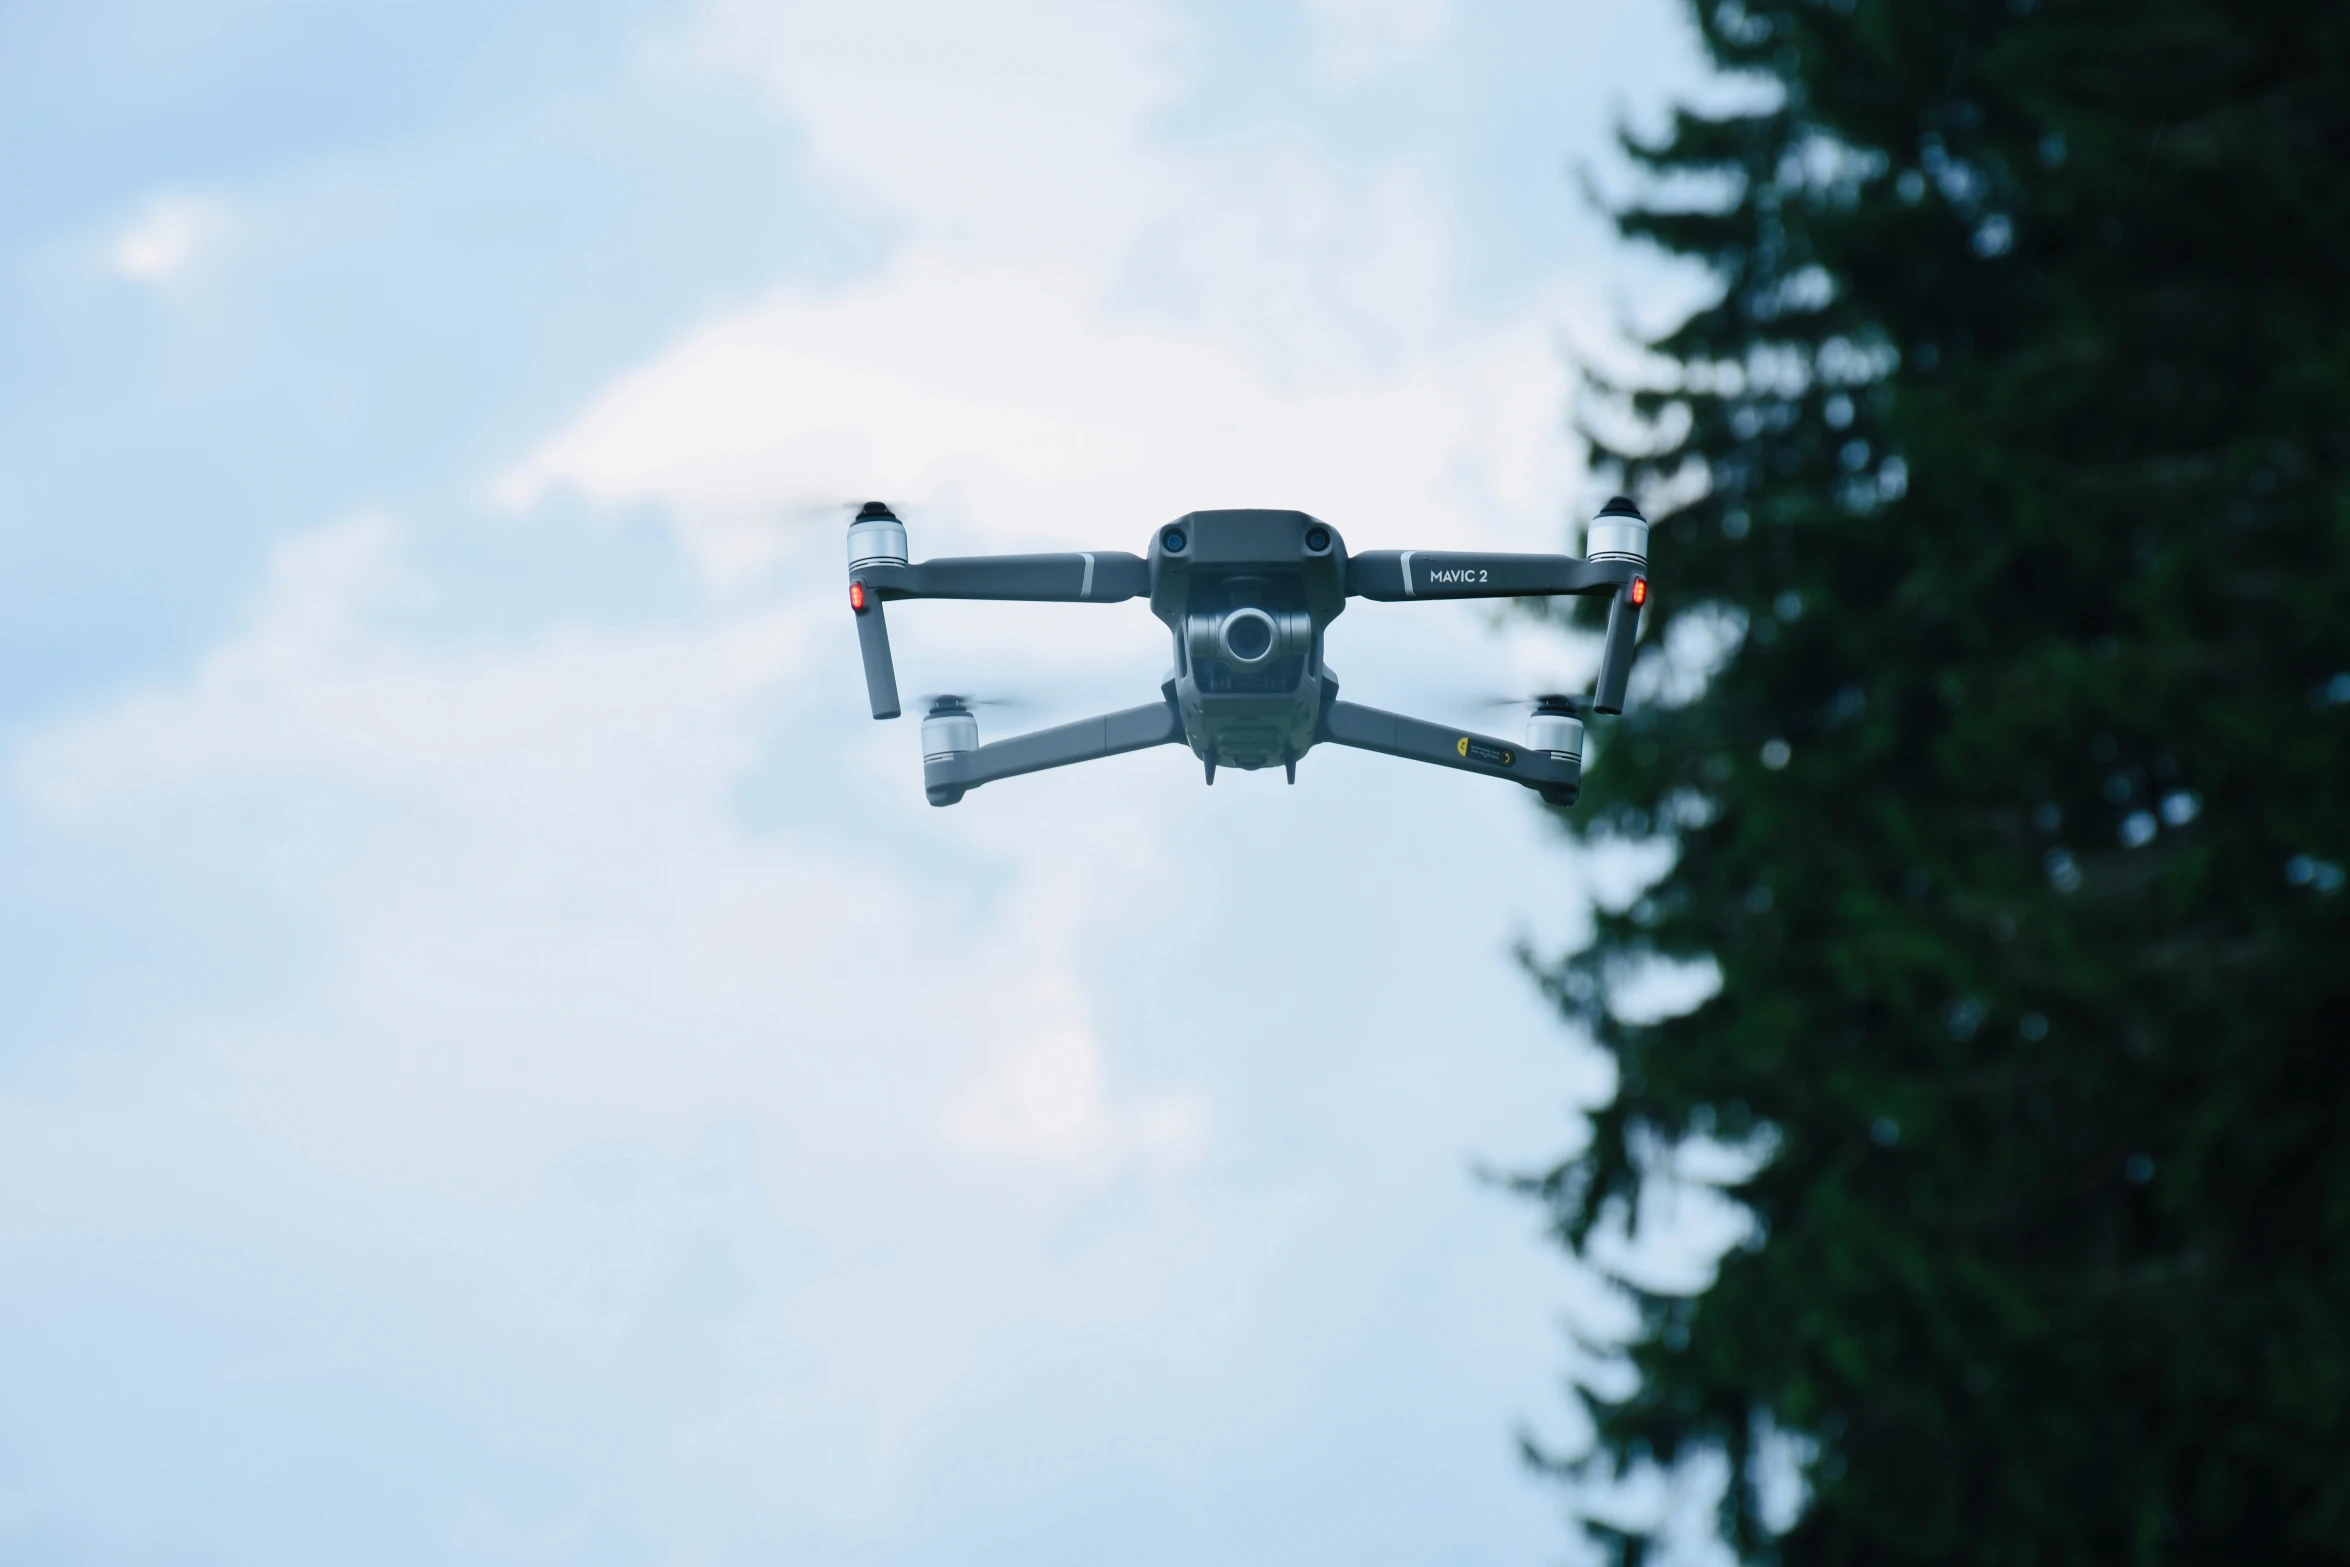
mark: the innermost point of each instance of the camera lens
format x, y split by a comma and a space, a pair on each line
1174, 540
1317, 539
1248, 635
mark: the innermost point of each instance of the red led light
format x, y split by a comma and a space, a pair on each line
857, 597
1639, 590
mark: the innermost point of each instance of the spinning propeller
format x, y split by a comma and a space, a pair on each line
955, 701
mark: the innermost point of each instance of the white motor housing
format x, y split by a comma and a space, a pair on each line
876, 538
1619, 532
1559, 735
949, 733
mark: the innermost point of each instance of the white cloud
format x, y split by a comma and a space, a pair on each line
1014, 403
559, 784
1012, 132
165, 238
814, 1147
1044, 1098
549, 943
1356, 39
1082, 334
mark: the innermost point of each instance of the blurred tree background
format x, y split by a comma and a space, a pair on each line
2016, 814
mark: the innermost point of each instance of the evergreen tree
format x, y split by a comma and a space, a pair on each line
2016, 817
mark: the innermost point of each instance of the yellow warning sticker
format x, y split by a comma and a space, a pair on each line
1486, 751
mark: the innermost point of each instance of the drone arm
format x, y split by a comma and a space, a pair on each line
1615, 663
1075, 578
881, 675
1393, 576
1397, 575
1417, 740
946, 778
1098, 577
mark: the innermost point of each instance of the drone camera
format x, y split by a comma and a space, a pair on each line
1317, 540
1619, 532
876, 538
1173, 541
1249, 637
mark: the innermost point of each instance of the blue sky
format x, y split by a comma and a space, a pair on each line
497, 1061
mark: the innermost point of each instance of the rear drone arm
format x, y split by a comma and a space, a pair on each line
1617, 565
952, 763
1556, 775
879, 572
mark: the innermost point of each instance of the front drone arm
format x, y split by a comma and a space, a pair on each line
948, 774
1615, 562
1393, 576
1100, 577
1555, 776
1075, 578
879, 572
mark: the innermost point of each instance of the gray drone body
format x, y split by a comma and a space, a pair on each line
1248, 596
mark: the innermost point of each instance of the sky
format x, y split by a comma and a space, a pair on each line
498, 1061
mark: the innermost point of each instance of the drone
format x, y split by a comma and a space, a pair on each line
1248, 595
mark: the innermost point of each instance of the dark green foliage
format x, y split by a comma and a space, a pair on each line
2025, 424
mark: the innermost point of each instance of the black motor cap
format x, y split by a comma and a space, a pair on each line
1620, 506
873, 511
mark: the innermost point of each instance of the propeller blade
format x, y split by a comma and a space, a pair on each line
934, 701
1555, 701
